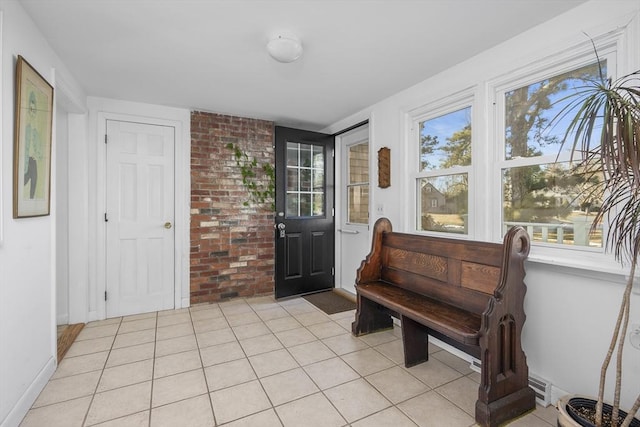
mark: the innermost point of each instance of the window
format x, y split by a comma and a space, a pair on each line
488, 158
305, 180
442, 181
358, 184
553, 198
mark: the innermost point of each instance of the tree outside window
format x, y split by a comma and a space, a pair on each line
555, 200
443, 178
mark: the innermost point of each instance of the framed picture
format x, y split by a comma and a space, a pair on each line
384, 167
32, 143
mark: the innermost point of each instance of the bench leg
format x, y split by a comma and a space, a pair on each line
415, 340
370, 318
504, 391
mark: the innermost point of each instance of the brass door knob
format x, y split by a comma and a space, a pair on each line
167, 225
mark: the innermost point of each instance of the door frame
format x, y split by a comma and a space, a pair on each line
182, 195
340, 197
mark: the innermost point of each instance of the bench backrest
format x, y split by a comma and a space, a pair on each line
463, 273
459, 272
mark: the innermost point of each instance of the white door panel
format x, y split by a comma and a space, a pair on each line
140, 215
353, 230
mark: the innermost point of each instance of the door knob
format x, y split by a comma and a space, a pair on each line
167, 225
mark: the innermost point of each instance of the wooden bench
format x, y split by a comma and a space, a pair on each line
466, 293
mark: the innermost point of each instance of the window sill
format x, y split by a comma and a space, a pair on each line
594, 265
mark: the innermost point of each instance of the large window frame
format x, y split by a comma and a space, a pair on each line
582, 55
486, 99
460, 101
552, 158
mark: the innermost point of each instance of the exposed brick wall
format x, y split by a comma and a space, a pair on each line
232, 247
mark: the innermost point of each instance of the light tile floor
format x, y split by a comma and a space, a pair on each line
254, 362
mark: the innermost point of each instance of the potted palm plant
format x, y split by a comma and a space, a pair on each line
604, 132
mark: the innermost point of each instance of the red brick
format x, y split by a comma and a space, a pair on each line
218, 194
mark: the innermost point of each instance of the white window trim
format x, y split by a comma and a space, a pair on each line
460, 100
485, 208
579, 257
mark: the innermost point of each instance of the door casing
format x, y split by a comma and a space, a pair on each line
96, 187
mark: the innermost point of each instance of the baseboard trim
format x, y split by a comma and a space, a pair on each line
62, 319
18, 412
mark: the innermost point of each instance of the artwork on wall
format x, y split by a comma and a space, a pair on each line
1, 156
32, 143
384, 167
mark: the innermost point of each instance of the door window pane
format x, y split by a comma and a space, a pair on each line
444, 203
358, 184
292, 179
305, 180
358, 204
292, 154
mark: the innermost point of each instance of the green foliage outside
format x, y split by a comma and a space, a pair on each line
552, 192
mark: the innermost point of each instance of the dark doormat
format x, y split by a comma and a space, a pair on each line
68, 336
331, 302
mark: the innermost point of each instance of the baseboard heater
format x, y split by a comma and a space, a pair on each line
540, 386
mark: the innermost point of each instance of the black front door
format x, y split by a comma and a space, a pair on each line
304, 212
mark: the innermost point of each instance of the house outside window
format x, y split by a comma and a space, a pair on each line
442, 182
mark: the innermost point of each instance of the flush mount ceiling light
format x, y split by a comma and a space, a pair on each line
285, 48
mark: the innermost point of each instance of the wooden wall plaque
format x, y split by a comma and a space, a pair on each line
384, 167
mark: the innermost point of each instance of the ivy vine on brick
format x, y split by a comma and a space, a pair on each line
261, 188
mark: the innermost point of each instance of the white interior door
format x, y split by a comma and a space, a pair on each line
139, 218
352, 234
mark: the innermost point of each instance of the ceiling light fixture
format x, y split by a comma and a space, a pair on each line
285, 48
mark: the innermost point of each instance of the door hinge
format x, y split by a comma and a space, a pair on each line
105, 138
333, 271
105, 295
105, 217
333, 153
333, 211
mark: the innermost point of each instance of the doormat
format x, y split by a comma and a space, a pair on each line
67, 337
330, 302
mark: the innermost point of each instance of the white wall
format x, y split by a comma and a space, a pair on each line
62, 213
27, 251
570, 311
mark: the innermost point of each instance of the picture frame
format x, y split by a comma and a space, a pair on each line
32, 142
384, 167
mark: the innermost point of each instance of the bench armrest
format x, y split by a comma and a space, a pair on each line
371, 267
503, 360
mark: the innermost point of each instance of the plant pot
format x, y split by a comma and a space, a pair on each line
569, 418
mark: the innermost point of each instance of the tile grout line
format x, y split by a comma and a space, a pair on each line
95, 390
206, 381
253, 309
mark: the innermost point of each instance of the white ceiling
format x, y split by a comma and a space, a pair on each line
210, 54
